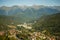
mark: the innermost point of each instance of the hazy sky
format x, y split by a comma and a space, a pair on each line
29, 2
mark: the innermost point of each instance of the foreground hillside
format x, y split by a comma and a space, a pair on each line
45, 28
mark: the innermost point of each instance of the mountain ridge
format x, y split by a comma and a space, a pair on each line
28, 13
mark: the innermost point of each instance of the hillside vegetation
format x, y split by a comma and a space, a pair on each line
50, 23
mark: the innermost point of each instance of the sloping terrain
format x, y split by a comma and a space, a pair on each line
50, 23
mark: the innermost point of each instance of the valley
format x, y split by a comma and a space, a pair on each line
35, 22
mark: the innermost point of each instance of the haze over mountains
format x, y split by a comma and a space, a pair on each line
28, 13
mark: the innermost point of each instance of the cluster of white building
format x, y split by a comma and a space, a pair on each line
25, 25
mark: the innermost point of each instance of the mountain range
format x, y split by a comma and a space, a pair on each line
28, 13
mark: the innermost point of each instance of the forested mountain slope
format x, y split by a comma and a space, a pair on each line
50, 23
